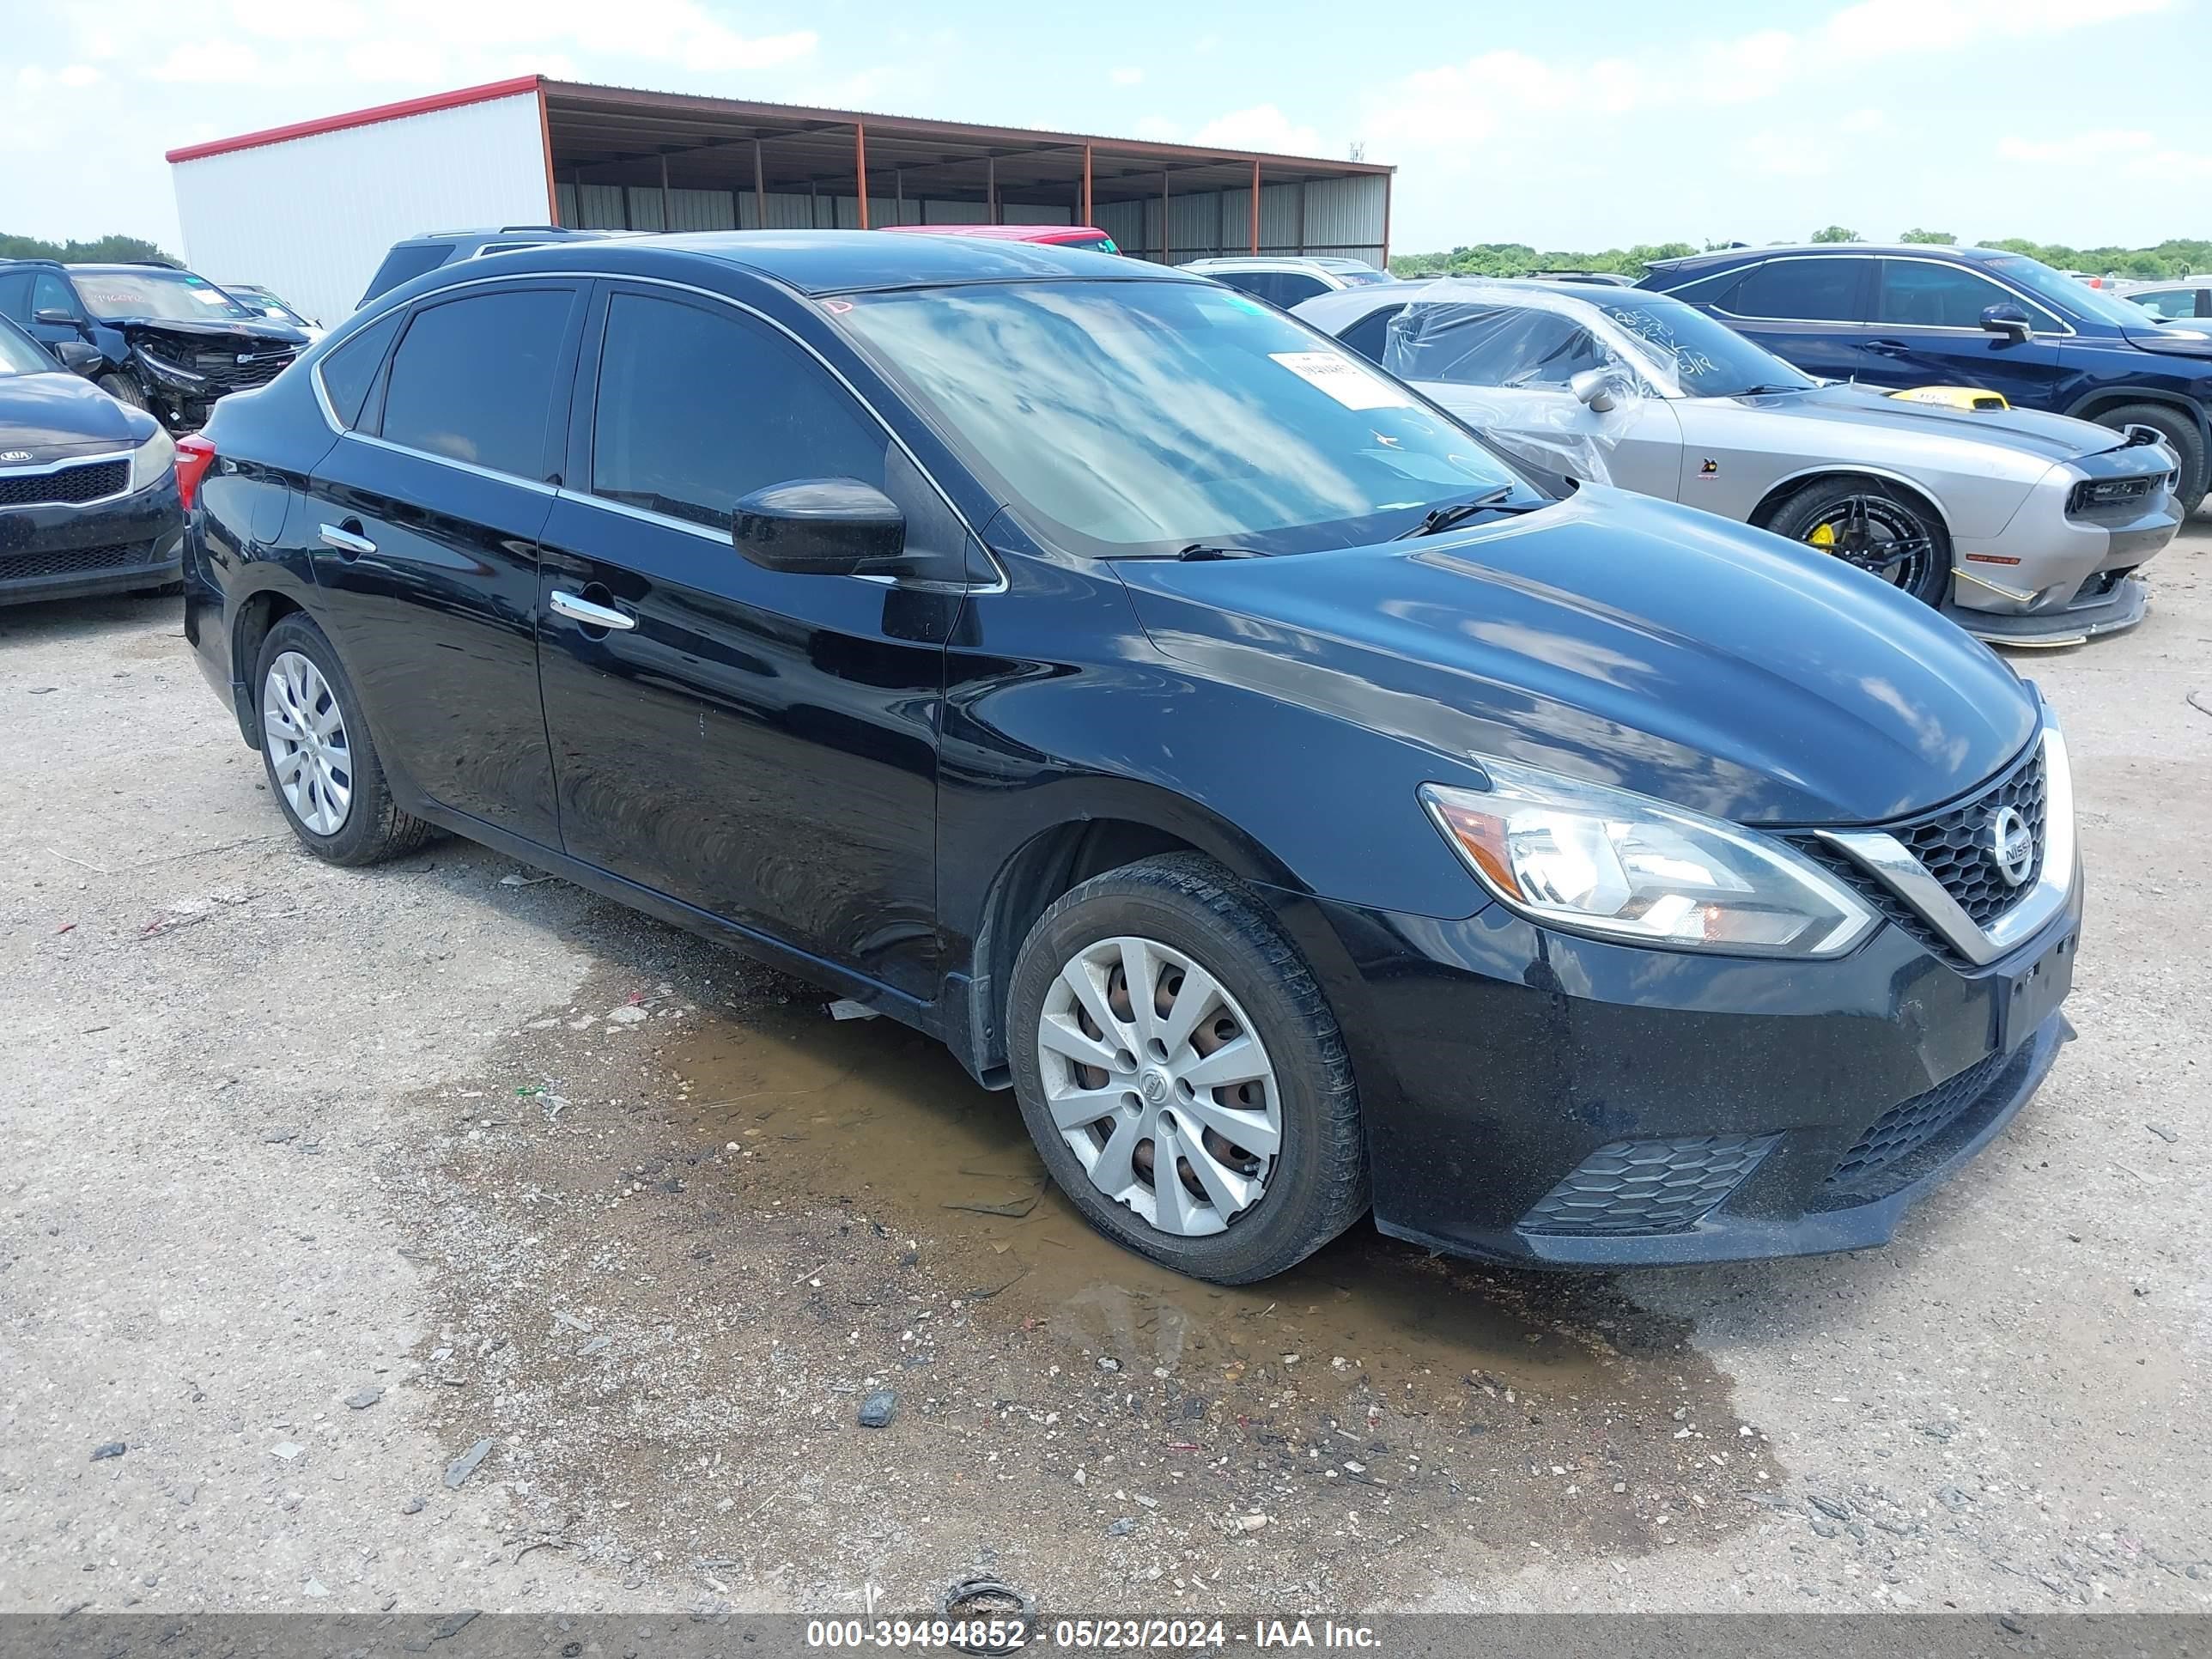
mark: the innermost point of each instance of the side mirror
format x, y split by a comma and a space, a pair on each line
78, 357
1598, 389
54, 316
821, 527
2009, 320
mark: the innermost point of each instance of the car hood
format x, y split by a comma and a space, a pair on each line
2052, 437
49, 418
1620, 640
237, 335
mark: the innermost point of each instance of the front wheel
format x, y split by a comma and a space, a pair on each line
1183, 1078
2182, 435
123, 390
322, 763
1880, 530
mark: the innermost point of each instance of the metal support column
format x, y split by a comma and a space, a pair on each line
1256, 207
760, 190
860, 166
1087, 219
666, 223
1163, 216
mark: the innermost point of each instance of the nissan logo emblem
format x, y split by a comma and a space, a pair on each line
2012, 846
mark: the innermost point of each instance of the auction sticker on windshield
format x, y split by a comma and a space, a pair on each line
1343, 380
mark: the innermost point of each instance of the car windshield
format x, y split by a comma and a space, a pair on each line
2066, 293
1359, 276
1141, 418
1091, 243
1701, 357
167, 296
261, 300
21, 354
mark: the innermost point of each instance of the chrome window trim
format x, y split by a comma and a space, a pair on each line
329, 414
43, 468
1890, 862
2058, 325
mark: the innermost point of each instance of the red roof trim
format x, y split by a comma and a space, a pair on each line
362, 117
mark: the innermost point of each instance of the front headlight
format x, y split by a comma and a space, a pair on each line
1625, 867
151, 461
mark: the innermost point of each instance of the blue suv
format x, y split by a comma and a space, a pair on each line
1922, 315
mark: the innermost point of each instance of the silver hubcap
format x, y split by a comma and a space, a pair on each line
306, 739
1159, 1085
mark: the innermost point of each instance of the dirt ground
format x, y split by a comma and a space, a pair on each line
440, 1236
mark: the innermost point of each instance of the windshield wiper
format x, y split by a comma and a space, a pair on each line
1444, 517
1198, 551
1763, 391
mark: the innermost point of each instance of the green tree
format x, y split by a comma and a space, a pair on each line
1835, 234
1942, 237
104, 251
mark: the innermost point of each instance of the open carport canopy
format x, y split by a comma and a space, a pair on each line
627, 158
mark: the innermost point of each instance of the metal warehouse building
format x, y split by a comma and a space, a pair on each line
310, 209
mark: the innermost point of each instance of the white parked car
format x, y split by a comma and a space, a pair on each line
1284, 282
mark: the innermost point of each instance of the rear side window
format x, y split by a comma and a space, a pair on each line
1802, 291
1260, 284
472, 379
697, 408
1371, 333
350, 369
404, 264
1291, 287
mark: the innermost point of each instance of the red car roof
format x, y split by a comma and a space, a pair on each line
1009, 232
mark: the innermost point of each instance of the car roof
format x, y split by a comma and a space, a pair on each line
1276, 262
837, 261
1006, 233
1744, 256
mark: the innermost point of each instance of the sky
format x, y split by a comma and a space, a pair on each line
1580, 126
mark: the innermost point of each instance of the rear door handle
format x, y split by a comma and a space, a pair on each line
347, 542
591, 616
1888, 347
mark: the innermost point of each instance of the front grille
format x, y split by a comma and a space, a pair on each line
75, 561
1872, 1165
1954, 847
64, 486
226, 374
1648, 1186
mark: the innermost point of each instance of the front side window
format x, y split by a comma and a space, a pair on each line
1291, 286
472, 379
697, 408
16, 296
49, 293
1802, 291
1135, 418
21, 355
1507, 346
164, 296
1918, 295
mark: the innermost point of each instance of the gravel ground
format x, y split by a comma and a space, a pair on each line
441, 1237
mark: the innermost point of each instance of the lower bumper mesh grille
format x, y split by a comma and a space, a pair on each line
1873, 1163
1648, 1186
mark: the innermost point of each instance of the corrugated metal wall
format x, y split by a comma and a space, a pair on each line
313, 217
1338, 216
637, 207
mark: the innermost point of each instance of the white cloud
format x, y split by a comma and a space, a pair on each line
2080, 147
1263, 127
1126, 77
1876, 27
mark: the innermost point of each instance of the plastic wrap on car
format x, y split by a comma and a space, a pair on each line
1451, 321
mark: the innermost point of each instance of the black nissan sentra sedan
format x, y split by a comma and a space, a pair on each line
1300, 809
89, 499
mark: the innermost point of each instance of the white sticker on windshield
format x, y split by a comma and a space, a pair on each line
1343, 380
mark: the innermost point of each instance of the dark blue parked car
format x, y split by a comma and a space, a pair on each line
1300, 808
1922, 315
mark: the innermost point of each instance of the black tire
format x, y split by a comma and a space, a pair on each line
125, 390
2182, 436
1316, 1185
1866, 522
373, 829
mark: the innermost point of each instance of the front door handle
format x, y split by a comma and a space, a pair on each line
349, 542
591, 616
1888, 347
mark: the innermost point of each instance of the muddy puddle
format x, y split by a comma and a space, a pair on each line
669, 1290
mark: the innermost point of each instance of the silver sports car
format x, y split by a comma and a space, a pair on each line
2026, 528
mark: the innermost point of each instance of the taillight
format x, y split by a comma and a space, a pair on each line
195, 455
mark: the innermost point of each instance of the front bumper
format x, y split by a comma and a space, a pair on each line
1542, 1098
2055, 576
120, 545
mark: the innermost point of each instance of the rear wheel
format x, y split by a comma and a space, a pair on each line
2182, 436
1880, 530
1182, 1074
322, 763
